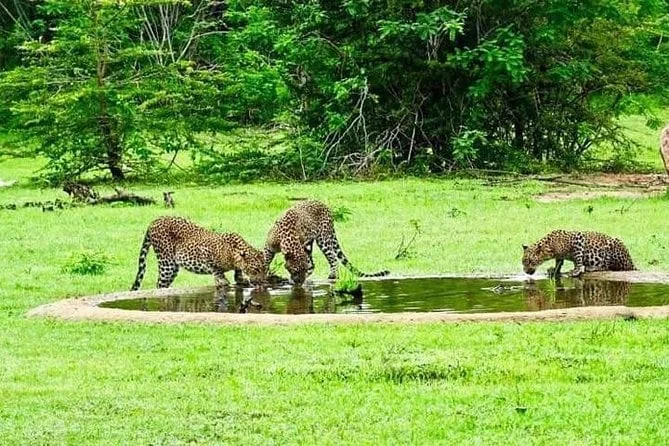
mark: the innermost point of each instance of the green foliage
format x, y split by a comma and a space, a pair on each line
249, 158
113, 85
429, 86
361, 86
87, 263
341, 213
346, 281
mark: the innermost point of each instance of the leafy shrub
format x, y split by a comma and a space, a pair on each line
466, 84
341, 213
87, 263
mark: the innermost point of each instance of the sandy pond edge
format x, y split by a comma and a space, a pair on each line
86, 308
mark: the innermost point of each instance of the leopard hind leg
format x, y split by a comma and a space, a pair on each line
330, 249
596, 260
167, 272
220, 279
168, 268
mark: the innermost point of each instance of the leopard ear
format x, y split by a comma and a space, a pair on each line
525, 247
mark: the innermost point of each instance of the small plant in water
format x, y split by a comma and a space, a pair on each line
274, 276
404, 248
341, 213
346, 281
87, 263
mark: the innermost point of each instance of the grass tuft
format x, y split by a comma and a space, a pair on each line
87, 263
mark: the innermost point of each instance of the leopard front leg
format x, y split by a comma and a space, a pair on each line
269, 254
555, 272
309, 249
240, 280
558, 266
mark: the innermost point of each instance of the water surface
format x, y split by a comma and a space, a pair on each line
452, 295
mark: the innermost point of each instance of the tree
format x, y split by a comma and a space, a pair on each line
119, 81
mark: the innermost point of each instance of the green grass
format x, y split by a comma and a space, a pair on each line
120, 383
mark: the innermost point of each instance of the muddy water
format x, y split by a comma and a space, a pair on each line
455, 295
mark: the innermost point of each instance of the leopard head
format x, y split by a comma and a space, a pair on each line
534, 255
297, 265
253, 264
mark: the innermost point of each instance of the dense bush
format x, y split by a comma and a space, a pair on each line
474, 83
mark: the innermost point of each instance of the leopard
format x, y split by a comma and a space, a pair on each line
588, 250
664, 147
294, 234
180, 243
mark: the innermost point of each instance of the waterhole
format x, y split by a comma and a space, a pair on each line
450, 295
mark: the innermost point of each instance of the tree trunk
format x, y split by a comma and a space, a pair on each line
112, 146
519, 133
109, 137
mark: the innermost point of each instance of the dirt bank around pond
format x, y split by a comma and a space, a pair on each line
591, 186
87, 308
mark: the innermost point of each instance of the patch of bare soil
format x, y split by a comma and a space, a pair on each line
550, 197
650, 180
86, 308
583, 187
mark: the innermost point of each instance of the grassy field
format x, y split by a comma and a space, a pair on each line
118, 383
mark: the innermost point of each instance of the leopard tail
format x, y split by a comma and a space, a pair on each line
344, 261
146, 244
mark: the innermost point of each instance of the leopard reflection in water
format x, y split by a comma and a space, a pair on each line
301, 301
255, 302
219, 301
583, 293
